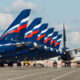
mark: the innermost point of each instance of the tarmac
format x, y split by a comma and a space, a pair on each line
39, 73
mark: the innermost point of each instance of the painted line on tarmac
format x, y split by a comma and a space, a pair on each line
78, 69
33, 74
63, 75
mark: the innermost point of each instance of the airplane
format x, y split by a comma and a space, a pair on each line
33, 30
11, 39
69, 54
41, 28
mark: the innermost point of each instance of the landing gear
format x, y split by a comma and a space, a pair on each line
1, 64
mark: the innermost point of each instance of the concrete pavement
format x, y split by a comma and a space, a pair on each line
38, 73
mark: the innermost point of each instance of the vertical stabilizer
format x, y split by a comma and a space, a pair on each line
64, 37
17, 29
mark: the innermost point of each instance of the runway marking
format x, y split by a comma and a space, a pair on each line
33, 74
78, 69
11, 74
63, 75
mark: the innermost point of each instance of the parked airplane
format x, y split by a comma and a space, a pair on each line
11, 39
41, 28
34, 28
68, 53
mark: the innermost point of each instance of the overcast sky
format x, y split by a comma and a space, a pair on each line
55, 12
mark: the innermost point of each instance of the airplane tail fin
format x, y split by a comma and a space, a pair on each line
43, 27
64, 37
42, 34
58, 41
36, 22
53, 40
18, 26
37, 31
50, 37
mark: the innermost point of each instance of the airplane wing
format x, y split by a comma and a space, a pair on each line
22, 44
76, 49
